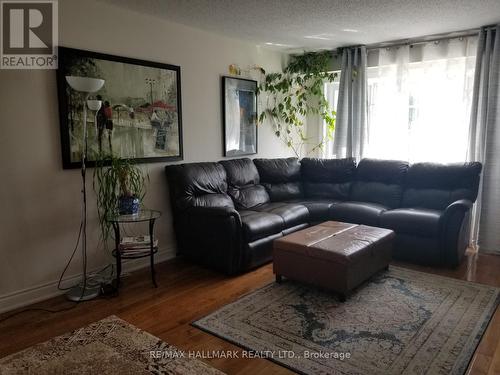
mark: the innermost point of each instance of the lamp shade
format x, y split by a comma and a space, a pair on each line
85, 84
94, 105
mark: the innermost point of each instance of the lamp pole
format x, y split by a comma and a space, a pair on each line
82, 291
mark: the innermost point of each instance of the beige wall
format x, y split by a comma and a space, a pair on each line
40, 202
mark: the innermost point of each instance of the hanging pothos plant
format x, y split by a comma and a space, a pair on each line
296, 93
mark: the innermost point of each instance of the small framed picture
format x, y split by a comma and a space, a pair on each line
239, 109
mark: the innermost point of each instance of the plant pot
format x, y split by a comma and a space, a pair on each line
128, 205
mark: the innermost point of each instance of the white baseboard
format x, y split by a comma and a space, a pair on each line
45, 291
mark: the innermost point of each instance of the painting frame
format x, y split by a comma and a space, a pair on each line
65, 56
225, 121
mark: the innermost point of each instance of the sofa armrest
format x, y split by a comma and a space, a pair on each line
215, 212
211, 236
461, 205
455, 229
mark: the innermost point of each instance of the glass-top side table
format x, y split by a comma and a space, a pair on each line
143, 215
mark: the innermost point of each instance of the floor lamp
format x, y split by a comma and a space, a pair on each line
83, 291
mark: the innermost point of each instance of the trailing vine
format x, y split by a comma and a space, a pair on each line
296, 93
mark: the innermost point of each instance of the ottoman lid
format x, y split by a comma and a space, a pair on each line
334, 241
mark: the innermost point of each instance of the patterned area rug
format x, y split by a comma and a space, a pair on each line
401, 322
109, 346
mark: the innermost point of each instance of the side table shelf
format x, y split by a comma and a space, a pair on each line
136, 256
144, 215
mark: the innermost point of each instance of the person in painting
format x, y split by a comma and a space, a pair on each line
101, 124
160, 131
155, 120
108, 113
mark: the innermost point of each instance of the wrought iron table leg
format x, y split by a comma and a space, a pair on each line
116, 227
151, 237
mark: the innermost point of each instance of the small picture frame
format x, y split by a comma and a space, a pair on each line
239, 112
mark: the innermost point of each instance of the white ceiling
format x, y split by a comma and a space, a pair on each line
316, 24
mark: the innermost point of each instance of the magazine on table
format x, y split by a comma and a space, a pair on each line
137, 243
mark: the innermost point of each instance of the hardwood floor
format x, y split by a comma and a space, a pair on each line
187, 292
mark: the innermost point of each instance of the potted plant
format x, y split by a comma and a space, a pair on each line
120, 188
296, 93
128, 201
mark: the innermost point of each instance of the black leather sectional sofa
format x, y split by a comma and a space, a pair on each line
227, 213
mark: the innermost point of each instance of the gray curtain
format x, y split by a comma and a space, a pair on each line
485, 140
350, 134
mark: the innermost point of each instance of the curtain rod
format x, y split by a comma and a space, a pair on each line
418, 40
429, 38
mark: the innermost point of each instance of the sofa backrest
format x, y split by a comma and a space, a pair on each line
435, 186
327, 178
280, 177
197, 184
380, 181
243, 183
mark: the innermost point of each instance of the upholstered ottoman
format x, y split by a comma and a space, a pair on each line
333, 255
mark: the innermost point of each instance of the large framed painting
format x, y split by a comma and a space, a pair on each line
239, 108
140, 116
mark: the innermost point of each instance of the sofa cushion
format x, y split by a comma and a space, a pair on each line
243, 180
257, 225
420, 222
197, 184
292, 214
435, 186
280, 177
327, 178
357, 213
319, 209
380, 181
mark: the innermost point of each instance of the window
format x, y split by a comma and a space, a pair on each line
331, 91
418, 101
